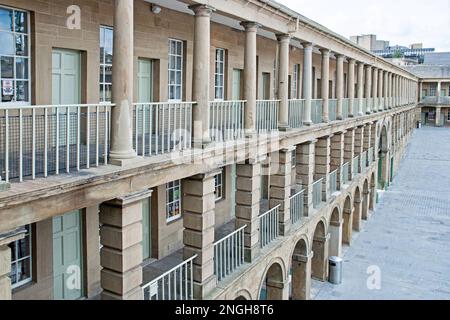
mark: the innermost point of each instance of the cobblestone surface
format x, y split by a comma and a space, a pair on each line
408, 236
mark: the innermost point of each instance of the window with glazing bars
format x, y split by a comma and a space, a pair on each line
173, 200
21, 260
219, 80
175, 75
106, 59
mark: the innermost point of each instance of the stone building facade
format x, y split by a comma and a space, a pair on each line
177, 150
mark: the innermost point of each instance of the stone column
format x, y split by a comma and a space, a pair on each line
380, 90
397, 91
339, 84
121, 254
349, 151
359, 142
122, 87
301, 276
250, 76
367, 137
283, 81
390, 91
368, 87
5, 261
348, 225
322, 164
385, 90
351, 87
438, 116
337, 155
420, 91
336, 238
360, 88
320, 261
305, 173
198, 236
277, 290
248, 196
307, 82
375, 89
280, 188
325, 80
439, 87
201, 74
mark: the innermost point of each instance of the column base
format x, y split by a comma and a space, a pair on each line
250, 133
201, 290
4, 186
122, 158
136, 294
251, 253
325, 120
308, 123
283, 127
284, 228
203, 144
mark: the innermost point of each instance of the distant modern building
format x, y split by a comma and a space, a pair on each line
370, 42
437, 58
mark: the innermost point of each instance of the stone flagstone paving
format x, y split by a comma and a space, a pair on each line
408, 236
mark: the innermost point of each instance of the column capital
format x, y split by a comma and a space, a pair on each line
351, 61
325, 52
283, 37
131, 198
202, 10
250, 26
307, 45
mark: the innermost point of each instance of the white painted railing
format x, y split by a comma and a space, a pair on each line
229, 254
345, 108
175, 284
355, 166
226, 120
162, 127
363, 161
345, 172
333, 181
316, 110
364, 105
297, 206
296, 110
268, 226
332, 107
48, 140
317, 193
433, 100
370, 156
267, 115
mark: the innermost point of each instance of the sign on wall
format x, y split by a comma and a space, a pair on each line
7, 88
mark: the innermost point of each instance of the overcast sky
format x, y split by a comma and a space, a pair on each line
401, 22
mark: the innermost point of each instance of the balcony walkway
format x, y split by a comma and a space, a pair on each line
408, 235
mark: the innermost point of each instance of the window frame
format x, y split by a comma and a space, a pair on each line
171, 187
221, 74
169, 70
294, 158
28, 235
295, 80
448, 115
104, 65
219, 186
14, 79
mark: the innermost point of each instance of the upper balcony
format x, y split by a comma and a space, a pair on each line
435, 101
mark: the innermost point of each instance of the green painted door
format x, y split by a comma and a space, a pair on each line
66, 77
67, 257
146, 229
236, 87
380, 171
145, 80
392, 170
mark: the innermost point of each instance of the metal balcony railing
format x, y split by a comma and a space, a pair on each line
356, 166
370, 156
297, 206
267, 115
226, 120
333, 181
433, 100
296, 111
162, 127
332, 109
229, 254
49, 140
317, 193
364, 102
363, 161
345, 172
175, 284
345, 108
316, 110
268, 226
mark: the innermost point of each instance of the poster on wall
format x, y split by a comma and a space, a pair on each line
7, 88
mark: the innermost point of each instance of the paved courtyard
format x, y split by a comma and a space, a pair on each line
407, 239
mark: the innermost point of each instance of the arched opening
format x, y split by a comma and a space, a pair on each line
335, 233
301, 272
348, 222
372, 196
240, 298
365, 201
273, 284
319, 265
383, 159
357, 210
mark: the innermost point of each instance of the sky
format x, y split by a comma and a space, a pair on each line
401, 22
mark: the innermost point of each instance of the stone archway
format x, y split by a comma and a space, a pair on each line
274, 285
301, 271
365, 201
240, 298
335, 233
347, 222
357, 210
373, 195
319, 265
